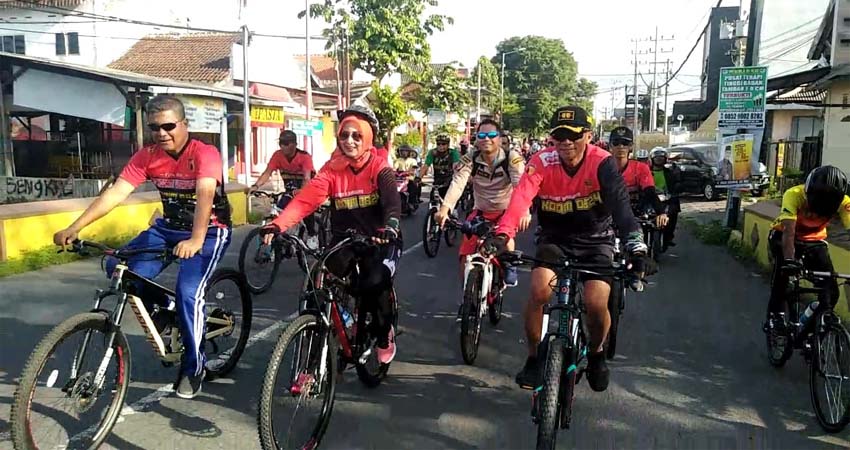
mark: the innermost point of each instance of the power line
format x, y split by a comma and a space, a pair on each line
807, 36
691, 52
816, 18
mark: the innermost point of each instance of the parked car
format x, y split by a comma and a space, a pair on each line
700, 174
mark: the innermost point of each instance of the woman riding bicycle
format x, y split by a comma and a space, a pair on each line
800, 231
363, 198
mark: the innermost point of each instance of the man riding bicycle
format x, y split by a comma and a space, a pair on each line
195, 222
667, 183
582, 196
637, 176
363, 194
800, 229
444, 160
494, 173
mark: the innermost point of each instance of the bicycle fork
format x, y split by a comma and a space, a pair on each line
478, 261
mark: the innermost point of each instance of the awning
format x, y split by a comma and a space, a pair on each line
71, 96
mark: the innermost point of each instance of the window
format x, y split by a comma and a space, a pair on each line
803, 127
13, 44
67, 43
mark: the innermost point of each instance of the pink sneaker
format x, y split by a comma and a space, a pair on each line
386, 355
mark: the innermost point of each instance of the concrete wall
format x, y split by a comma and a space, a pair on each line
30, 226
836, 148
782, 120
26, 189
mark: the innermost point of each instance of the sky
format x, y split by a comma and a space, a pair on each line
598, 33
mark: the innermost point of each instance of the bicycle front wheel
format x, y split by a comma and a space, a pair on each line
296, 379
52, 408
258, 262
229, 312
829, 377
431, 235
548, 409
470, 324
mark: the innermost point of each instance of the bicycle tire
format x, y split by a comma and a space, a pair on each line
261, 285
450, 237
470, 324
615, 309
20, 417
548, 400
370, 377
494, 311
656, 245
829, 422
265, 426
245, 325
426, 228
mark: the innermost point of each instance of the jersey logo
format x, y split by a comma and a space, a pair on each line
191, 164
516, 160
356, 201
529, 170
550, 158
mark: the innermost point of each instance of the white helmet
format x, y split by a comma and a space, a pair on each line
642, 153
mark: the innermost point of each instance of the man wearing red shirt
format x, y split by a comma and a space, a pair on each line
637, 176
361, 186
195, 223
294, 166
582, 196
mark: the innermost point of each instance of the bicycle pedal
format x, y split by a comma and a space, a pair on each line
148, 326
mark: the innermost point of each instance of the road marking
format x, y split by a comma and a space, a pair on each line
426, 275
412, 248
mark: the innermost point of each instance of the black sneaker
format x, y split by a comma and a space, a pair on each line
189, 386
597, 372
529, 377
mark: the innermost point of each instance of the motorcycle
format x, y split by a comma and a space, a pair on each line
409, 204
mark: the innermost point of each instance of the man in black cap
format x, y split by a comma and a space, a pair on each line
582, 195
637, 176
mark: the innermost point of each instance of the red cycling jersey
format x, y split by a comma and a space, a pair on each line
292, 169
580, 202
176, 179
638, 178
364, 200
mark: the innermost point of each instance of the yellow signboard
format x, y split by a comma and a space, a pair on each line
267, 116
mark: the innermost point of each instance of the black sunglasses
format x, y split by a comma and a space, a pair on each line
619, 142
563, 134
344, 135
442, 143
170, 126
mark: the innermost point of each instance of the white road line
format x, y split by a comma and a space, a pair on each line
412, 248
426, 275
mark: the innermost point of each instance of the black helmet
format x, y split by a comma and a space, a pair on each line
825, 188
443, 138
361, 112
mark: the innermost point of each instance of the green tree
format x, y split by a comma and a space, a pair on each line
541, 74
383, 36
489, 84
443, 89
389, 108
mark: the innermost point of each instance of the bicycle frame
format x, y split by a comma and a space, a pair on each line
569, 316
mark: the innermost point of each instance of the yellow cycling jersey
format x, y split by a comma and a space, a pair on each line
809, 226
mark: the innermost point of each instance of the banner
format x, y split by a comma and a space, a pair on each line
742, 97
204, 113
735, 162
266, 116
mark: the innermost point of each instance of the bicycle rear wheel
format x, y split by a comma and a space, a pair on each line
470, 324
52, 410
431, 235
548, 400
294, 375
829, 376
258, 262
229, 312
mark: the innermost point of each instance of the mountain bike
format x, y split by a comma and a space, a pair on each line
824, 343
332, 331
432, 231
73, 400
483, 288
616, 302
260, 262
565, 347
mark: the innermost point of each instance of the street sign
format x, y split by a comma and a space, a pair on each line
266, 116
203, 113
630, 99
680, 117
436, 117
306, 127
741, 100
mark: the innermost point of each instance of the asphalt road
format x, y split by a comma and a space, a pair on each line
691, 372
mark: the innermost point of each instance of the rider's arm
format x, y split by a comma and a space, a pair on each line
647, 186
521, 198
307, 168
308, 199
110, 198
789, 233
516, 167
615, 197
270, 167
390, 200
459, 180
428, 161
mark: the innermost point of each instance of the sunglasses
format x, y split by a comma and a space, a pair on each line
442, 143
621, 142
488, 134
563, 134
164, 126
344, 135
283, 142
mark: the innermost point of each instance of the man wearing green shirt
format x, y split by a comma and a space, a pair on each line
444, 160
666, 183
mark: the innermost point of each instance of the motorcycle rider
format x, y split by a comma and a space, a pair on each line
667, 182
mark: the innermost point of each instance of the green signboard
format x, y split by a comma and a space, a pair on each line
741, 98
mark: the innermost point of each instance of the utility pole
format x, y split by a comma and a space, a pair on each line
308, 70
754, 33
653, 114
246, 111
478, 95
666, 89
635, 127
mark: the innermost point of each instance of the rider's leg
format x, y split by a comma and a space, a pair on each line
146, 265
816, 257
673, 216
779, 281
596, 293
374, 283
192, 281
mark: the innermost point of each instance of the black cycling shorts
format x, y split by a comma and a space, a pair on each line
595, 250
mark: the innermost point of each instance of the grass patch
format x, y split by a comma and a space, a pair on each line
49, 256
255, 217
712, 233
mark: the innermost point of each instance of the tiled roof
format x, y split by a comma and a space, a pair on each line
201, 58
323, 66
34, 4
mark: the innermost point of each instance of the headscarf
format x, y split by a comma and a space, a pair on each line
365, 130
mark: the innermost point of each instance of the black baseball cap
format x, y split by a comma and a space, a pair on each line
622, 133
288, 135
573, 118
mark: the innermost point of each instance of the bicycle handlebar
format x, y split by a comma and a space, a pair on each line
823, 274
79, 246
517, 257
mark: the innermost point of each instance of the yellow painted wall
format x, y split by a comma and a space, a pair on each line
35, 232
840, 256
